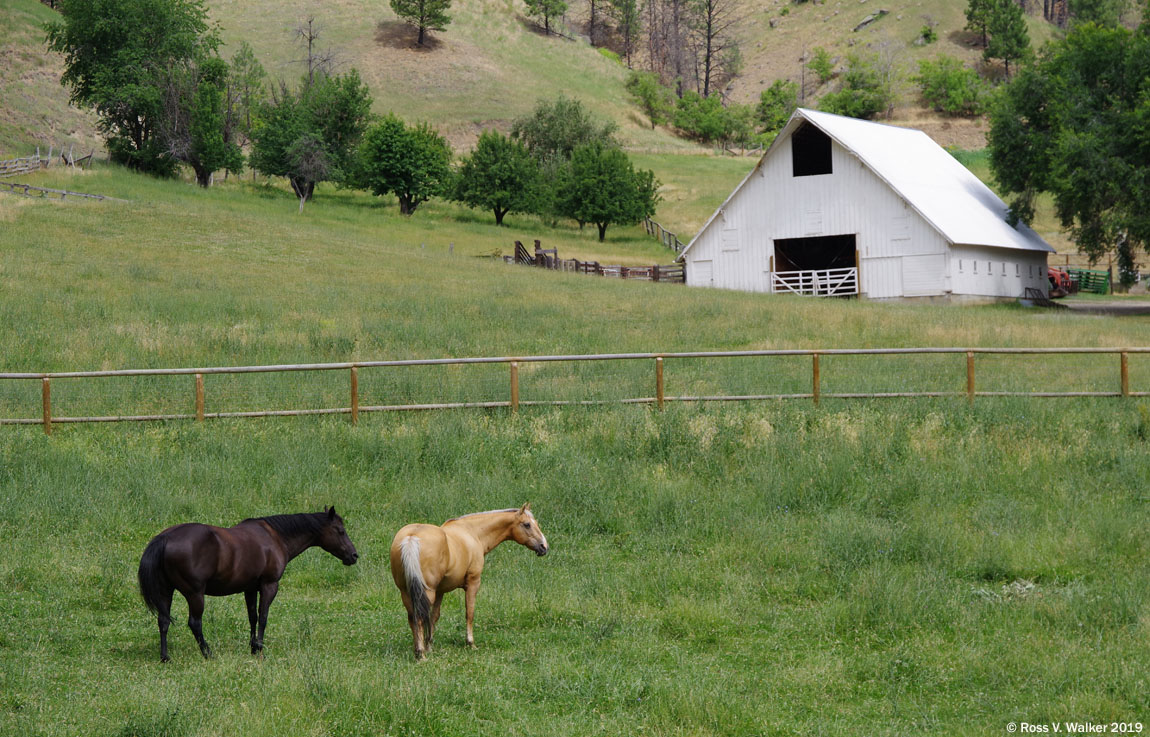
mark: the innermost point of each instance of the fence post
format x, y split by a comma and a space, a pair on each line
46, 394
659, 382
199, 397
354, 395
815, 377
514, 386
970, 377
1125, 363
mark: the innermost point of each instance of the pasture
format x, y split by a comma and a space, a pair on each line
884, 567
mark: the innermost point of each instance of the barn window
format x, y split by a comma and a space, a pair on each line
810, 151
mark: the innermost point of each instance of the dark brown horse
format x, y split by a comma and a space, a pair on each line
200, 559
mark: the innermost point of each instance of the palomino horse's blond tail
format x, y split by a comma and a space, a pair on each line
413, 573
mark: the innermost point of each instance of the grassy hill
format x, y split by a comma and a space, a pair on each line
858, 568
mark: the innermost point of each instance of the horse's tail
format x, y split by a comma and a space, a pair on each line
154, 584
413, 574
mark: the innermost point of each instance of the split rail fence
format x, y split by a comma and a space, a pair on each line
514, 382
548, 258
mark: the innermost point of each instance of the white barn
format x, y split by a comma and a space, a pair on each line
843, 206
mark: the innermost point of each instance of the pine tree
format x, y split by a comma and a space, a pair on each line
978, 14
426, 15
1009, 39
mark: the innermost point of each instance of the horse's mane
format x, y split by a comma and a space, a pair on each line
492, 511
307, 523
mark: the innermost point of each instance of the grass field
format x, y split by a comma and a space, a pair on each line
856, 568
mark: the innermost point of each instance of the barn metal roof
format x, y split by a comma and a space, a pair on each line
943, 191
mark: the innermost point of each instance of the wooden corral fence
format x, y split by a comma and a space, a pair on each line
29, 191
23, 165
666, 237
196, 391
548, 258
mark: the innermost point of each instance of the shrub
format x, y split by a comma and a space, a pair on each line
951, 88
822, 65
865, 92
776, 104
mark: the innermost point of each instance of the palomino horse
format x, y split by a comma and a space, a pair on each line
250, 557
428, 561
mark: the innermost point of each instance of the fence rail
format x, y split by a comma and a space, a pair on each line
196, 392
666, 237
548, 258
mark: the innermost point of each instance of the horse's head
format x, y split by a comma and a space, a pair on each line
333, 538
525, 531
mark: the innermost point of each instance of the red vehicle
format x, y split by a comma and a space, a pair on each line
1060, 282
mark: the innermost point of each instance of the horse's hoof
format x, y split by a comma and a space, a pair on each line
165, 659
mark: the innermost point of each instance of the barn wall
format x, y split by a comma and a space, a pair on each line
773, 204
997, 272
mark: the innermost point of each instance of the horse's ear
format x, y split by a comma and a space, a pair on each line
331, 513
525, 508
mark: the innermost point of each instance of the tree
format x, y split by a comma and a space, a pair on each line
1103, 12
499, 175
412, 162
546, 9
426, 15
978, 14
311, 136
116, 53
1077, 125
951, 88
865, 91
193, 126
650, 94
712, 24
556, 128
627, 24
776, 105
1009, 39
245, 93
601, 186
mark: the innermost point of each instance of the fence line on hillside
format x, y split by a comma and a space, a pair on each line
196, 410
44, 192
548, 258
666, 237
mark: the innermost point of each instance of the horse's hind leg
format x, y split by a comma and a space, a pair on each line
195, 620
250, 598
163, 619
433, 622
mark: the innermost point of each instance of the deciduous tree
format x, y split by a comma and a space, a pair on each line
601, 186
411, 162
499, 175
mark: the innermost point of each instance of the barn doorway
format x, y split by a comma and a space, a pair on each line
822, 265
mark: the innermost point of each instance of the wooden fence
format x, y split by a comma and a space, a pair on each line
548, 258
666, 237
658, 361
23, 165
29, 191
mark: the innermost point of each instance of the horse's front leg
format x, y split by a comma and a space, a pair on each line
195, 620
268, 593
471, 590
251, 598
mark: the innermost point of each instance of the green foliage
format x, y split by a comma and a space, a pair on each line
547, 10
927, 35
499, 175
978, 15
649, 93
1102, 12
116, 56
245, 93
776, 104
1077, 125
865, 92
1009, 39
208, 150
707, 119
311, 136
822, 65
556, 128
628, 24
411, 162
601, 186
425, 15
950, 87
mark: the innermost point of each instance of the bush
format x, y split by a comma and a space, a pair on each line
865, 92
822, 65
776, 104
706, 119
951, 88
